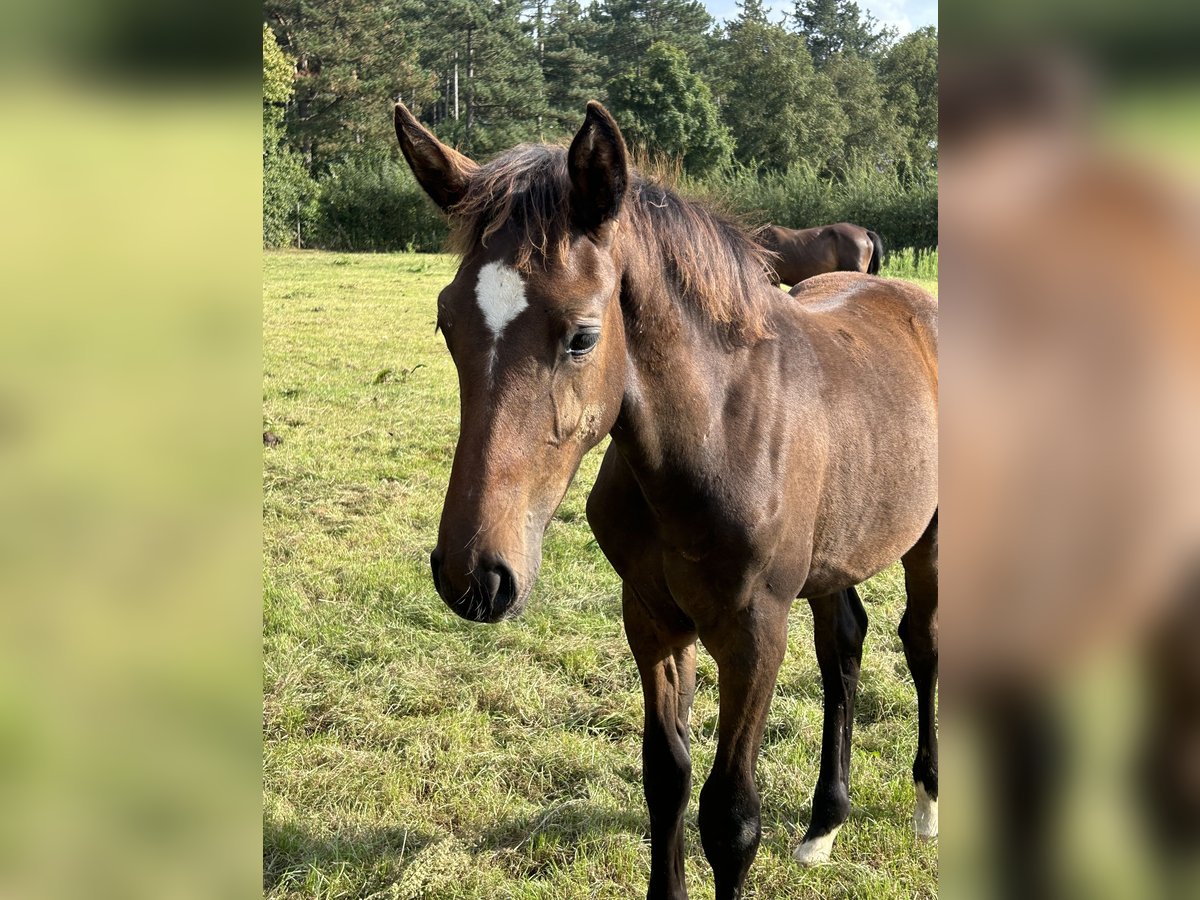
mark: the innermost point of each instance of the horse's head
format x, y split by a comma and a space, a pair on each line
533, 323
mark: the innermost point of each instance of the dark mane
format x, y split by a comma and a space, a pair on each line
716, 267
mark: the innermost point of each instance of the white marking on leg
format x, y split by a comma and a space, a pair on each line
816, 850
925, 819
500, 293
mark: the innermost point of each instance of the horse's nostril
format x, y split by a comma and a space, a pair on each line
490, 581
499, 585
489, 591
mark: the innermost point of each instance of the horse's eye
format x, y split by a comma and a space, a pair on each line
583, 342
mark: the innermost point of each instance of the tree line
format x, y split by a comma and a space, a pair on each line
826, 88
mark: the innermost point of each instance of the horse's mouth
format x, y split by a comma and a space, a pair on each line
493, 593
473, 610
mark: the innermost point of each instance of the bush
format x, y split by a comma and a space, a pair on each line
289, 193
289, 198
908, 263
904, 214
376, 205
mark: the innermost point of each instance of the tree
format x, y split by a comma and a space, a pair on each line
833, 27
287, 188
873, 135
352, 57
667, 110
278, 74
570, 69
749, 11
626, 29
500, 81
909, 76
798, 119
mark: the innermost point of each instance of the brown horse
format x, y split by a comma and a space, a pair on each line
803, 253
762, 450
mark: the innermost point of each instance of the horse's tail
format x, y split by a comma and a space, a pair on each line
876, 254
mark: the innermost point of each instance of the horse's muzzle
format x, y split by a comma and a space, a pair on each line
489, 593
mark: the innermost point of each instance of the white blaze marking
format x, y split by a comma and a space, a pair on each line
816, 851
925, 819
500, 293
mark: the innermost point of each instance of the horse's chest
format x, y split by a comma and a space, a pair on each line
705, 531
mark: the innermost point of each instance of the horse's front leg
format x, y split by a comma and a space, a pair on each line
666, 660
749, 647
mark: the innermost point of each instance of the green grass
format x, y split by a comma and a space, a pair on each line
410, 754
920, 266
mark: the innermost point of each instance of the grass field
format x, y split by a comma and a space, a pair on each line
408, 753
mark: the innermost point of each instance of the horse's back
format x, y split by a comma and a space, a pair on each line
873, 344
839, 299
871, 334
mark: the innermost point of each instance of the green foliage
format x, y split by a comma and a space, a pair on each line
288, 190
667, 111
278, 70
626, 29
912, 264
570, 67
909, 76
375, 204
488, 74
834, 27
872, 134
903, 211
289, 199
799, 119
501, 88
352, 58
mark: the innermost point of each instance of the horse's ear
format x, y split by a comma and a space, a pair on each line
442, 171
599, 168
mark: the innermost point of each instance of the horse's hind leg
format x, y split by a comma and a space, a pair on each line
666, 660
839, 626
919, 633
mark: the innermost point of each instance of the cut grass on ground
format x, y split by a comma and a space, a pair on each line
411, 754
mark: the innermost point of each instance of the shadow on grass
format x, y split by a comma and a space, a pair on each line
794, 817
527, 845
291, 854
571, 820
530, 846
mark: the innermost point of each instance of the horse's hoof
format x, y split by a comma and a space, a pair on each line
925, 818
815, 851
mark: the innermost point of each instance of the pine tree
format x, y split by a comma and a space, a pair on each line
832, 27
352, 56
570, 69
826, 89
625, 30
500, 86
667, 111
799, 119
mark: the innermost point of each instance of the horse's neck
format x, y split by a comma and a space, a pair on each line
681, 374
